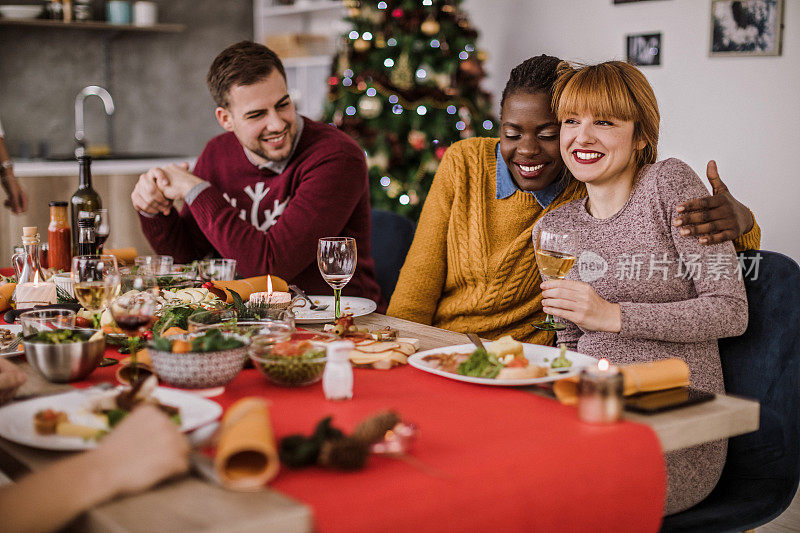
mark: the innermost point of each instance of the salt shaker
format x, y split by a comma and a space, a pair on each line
337, 380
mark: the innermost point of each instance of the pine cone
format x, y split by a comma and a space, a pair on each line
375, 427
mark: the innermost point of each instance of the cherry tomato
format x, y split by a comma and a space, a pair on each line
82, 322
518, 362
148, 334
207, 285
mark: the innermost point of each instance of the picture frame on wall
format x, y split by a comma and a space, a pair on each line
644, 50
746, 27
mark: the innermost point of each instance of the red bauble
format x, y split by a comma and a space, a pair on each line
440, 151
397, 13
333, 80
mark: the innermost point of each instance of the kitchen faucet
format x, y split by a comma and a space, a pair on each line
108, 103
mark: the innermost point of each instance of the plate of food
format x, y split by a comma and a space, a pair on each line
75, 420
505, 362
10, 338
352, 305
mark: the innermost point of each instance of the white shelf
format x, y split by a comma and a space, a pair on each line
307, 61
305, 7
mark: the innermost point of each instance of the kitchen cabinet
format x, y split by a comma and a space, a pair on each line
306, 74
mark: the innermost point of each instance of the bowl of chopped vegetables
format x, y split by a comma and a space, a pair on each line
210, 358
64, 355
291, 363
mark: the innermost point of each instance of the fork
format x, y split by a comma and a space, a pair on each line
311, 305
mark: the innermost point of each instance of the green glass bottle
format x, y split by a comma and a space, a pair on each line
84, 199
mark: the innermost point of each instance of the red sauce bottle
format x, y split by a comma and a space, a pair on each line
59, 239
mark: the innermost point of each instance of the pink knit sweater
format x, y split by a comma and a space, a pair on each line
677, 298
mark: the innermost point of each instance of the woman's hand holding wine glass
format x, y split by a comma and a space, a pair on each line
336, 259
555, 255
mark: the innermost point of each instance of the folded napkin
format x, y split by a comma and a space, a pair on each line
247, 457
640, 377
5, 296
246, 287
125, 256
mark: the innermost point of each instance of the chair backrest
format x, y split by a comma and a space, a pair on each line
391, 237
764, 364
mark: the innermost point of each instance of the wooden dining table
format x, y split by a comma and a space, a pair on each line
326, 501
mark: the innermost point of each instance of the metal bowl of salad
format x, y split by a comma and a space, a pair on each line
64, 355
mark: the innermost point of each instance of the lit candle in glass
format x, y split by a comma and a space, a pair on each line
277, 299
600, 393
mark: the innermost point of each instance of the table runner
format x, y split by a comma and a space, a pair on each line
506, 459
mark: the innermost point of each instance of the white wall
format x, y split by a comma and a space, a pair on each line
742, 111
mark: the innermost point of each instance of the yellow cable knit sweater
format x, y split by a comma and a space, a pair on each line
471, 267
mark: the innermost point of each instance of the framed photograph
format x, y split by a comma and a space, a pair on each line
644, 50
746, 27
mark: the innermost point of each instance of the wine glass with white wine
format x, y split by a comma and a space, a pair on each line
555, 256
336, 259
96, 279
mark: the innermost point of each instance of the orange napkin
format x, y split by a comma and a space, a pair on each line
246, 287
641, 377
125, 256
247, 457
5, 296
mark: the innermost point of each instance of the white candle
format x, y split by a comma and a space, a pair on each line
28, 295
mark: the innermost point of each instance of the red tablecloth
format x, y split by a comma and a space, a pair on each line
510, 460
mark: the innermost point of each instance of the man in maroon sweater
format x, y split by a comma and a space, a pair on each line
264, 192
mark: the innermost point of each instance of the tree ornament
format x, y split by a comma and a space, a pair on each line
398, 13
439, 152
482, 55
380, 161
430, 26
380, 41
417, 139
369, 107
361, 45
442, 80
401, 75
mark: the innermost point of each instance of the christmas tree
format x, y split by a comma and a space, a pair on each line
405, 85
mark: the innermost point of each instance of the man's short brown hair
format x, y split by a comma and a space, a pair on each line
243, 63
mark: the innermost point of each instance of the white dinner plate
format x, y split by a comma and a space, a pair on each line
535, 353
16, 351
16, 419
349, 304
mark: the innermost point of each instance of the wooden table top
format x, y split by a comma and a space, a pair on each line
212, 507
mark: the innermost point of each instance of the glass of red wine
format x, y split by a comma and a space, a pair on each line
102, 229
134, 310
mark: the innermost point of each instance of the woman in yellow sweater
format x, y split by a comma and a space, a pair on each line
471, 267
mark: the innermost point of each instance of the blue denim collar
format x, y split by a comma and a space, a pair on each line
506, 185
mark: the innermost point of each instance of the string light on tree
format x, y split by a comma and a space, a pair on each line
398, 56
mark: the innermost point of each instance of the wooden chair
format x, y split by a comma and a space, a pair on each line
762, 469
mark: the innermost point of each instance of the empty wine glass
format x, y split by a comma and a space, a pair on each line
336, 260
102, 229
154, 265
555, 255
217, 269
134, 310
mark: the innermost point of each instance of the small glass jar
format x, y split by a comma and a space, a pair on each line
600, 394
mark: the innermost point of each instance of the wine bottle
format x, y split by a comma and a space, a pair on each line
86, 238
84, 199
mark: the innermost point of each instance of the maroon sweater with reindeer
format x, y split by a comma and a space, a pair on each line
269, 222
